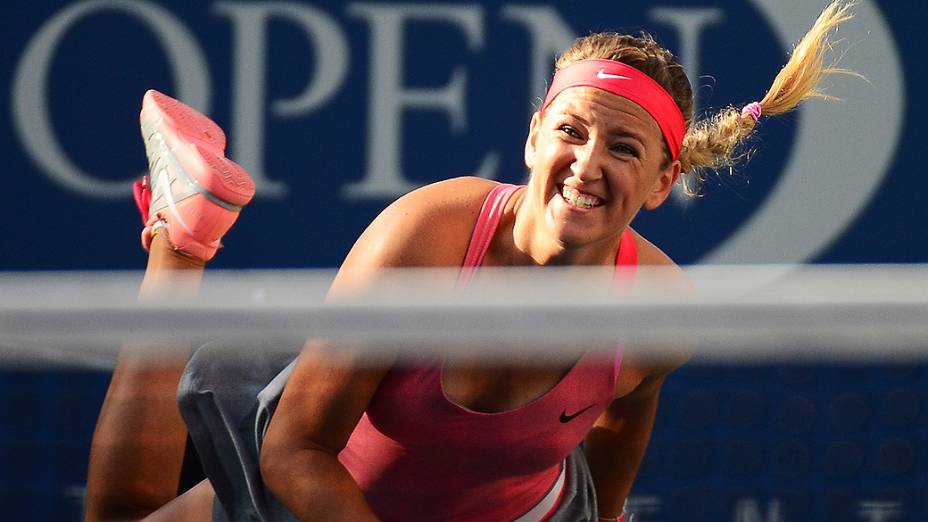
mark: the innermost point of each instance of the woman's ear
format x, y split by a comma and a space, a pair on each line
533, 129
663, 186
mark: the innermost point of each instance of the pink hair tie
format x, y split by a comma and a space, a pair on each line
753, 109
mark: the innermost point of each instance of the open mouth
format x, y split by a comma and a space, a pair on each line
577, 199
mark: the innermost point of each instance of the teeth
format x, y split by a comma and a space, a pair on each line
575, 199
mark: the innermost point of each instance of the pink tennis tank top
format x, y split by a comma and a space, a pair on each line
418, 456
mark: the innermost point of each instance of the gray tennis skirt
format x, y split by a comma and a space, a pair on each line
227, 396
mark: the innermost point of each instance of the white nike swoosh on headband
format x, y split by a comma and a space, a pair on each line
602, 74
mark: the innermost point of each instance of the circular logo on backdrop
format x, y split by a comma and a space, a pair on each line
840, 155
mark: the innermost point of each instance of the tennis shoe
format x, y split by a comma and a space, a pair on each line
192, 190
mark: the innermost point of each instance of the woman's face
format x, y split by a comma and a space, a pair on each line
596, 159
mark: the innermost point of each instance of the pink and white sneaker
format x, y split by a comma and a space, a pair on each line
193, 190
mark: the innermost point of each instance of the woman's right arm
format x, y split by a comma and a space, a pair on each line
332, 385
328, 391
325, 396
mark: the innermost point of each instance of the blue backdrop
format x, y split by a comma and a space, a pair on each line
338, 107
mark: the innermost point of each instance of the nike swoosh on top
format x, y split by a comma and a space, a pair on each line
602, 74
567, 418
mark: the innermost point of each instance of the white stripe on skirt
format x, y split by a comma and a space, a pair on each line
548, 502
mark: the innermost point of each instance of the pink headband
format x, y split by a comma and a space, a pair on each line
625, 81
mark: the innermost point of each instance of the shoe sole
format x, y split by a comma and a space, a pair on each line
189, 146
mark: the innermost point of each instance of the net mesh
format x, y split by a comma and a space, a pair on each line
806, 397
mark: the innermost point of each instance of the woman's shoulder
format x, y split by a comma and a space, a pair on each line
456, 195
649, 255
430, 226
667, 272
447, 209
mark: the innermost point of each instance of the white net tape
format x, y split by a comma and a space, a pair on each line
735, 313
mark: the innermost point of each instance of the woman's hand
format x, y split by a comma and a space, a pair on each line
327, 393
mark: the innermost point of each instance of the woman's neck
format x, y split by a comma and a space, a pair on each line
526, 239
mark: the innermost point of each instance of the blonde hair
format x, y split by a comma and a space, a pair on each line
714, 143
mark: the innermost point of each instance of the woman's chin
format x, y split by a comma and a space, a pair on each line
569, 235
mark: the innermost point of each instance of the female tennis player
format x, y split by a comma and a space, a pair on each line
444, 439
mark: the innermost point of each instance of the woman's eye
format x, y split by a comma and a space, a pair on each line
621, 148
570, 131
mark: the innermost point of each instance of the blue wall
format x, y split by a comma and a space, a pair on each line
331, 142
309, 115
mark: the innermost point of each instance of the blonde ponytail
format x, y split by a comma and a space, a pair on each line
713, 143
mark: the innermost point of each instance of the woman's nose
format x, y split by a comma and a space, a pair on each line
586, 165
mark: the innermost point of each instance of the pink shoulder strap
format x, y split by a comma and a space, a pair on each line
490, 214
626, 261
628, 252
626, 265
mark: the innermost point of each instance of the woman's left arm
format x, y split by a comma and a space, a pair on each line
616, 445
